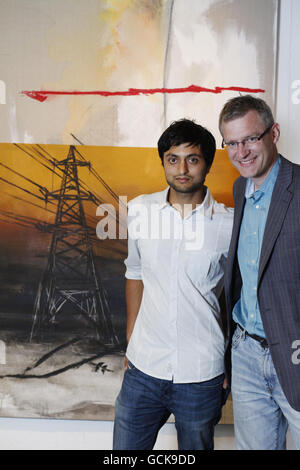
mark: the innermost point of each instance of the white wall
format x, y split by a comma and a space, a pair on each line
288, 98
49, 434
60, 434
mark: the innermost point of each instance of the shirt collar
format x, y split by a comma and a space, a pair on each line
205, 208
267, 184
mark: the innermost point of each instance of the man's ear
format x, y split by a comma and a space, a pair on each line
208, 169
276, 133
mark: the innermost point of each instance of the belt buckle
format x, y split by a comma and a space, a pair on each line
263, 343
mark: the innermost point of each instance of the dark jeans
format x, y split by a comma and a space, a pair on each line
145, 403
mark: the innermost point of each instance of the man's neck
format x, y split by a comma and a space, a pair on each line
186, 202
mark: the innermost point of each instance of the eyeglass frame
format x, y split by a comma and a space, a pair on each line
244, 141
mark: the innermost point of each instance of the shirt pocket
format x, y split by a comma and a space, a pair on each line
203, 267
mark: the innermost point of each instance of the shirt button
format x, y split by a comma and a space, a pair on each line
257, 206
254, 233
255, 288
253, 261
252, 316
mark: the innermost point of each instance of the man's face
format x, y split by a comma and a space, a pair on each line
256, 160
185, 168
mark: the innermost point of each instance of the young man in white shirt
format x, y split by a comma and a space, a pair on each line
177, 248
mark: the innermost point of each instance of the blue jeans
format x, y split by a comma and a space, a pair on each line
262, 413
145, 403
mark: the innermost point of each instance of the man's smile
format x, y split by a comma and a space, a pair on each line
246, 163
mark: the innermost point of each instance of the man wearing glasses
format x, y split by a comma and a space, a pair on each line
262, 280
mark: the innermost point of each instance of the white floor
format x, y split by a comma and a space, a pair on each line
224, 438
41, 434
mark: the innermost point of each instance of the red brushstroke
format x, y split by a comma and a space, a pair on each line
42, 95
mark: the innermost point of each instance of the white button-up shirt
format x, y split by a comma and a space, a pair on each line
178, 333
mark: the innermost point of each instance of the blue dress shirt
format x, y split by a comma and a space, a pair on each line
246, 311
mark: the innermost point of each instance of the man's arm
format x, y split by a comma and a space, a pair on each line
134, 285
134, 293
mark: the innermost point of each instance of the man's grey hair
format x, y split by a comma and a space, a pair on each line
239, 106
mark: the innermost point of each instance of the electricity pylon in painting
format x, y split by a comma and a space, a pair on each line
70, 278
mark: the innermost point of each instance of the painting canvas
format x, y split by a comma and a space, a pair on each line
86, 90
62, 316
117, 72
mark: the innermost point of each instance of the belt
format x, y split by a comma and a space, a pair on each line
263, 342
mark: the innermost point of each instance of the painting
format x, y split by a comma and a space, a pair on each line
117, 72
87, 87
62, 316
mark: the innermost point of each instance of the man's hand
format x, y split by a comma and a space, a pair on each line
225, 393
133, 293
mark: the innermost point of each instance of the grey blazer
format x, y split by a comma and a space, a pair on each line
278, 288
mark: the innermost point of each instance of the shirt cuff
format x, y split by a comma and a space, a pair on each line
133, 274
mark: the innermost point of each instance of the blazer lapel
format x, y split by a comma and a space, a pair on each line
239, 201
281, 198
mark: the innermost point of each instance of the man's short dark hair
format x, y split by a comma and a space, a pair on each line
186, 131
240, 105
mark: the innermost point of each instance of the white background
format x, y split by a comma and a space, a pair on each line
18, 433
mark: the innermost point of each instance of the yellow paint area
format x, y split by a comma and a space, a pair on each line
128, 171
29, 171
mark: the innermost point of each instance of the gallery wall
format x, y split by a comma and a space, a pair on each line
287, 108
117, 72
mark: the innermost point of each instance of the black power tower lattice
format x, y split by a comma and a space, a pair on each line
70, 279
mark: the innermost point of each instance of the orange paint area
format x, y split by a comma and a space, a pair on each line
31, 177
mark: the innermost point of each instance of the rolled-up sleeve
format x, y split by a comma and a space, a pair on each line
133, 260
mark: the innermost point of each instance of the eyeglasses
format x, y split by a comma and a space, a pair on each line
247, 143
